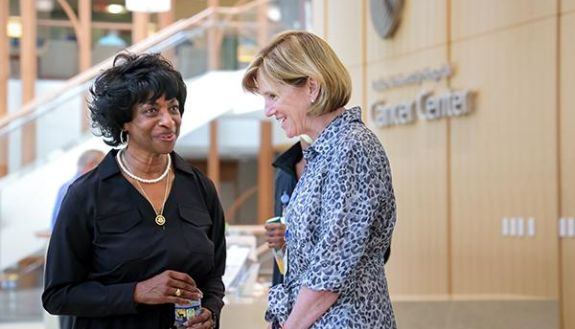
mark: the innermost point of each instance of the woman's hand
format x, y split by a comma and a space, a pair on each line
309, 306
275, 235
202, 321
167, 287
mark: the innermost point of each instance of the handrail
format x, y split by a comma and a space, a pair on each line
238, 202
33, 109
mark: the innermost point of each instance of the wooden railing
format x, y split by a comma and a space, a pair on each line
41, 105
230, 213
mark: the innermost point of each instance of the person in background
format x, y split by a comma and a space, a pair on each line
342, 213
144, 230
112, 38
87, 161
289, 167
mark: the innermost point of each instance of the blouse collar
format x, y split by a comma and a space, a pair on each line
324, 142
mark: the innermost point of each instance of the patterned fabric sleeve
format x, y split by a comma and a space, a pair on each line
352, 198
277, 304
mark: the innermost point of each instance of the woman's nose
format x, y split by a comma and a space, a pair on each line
269, 110
166, 119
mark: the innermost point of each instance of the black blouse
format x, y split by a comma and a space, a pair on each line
105, 241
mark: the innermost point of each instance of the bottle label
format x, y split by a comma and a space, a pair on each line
184, 312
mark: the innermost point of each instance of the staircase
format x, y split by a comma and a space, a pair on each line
27, 194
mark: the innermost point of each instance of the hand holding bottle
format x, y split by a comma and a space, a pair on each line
275, 232
275, 237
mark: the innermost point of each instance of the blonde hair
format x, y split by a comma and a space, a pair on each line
294, 56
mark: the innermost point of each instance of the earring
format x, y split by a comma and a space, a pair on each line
122, 141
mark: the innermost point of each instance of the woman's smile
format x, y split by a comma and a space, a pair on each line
167, 137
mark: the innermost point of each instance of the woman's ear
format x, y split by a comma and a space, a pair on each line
313, 88
126, 127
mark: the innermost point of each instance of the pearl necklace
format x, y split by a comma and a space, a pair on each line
119, 158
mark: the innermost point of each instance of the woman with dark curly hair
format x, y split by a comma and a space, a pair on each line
144, 230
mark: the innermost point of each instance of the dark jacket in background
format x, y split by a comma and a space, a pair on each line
285, 182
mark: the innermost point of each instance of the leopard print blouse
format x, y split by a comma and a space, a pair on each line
340, 220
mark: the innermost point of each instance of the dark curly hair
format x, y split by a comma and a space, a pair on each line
133, 79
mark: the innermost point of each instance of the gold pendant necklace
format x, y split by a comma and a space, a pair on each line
160, 219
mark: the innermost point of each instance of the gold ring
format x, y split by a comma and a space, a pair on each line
178, 292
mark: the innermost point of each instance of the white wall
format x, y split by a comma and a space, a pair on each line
26, 201
58, 129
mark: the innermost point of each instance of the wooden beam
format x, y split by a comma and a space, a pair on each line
84, 34
140, 23
262, 19
29, 71
4, 76
4, 57
213, 155
95, 24
166, 19
84, 38
265, 173
71, 16
213, 64
213, 44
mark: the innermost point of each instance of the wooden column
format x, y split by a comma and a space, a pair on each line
84, 38
213, 39
140, 26
262, 19
4, 56
265, 173
213, 64
165, 19
4, 76
85, 34
213, 155
28, 69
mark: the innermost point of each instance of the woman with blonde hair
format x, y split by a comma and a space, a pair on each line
341, 214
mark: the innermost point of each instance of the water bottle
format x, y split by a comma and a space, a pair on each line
279, 254
184, 312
